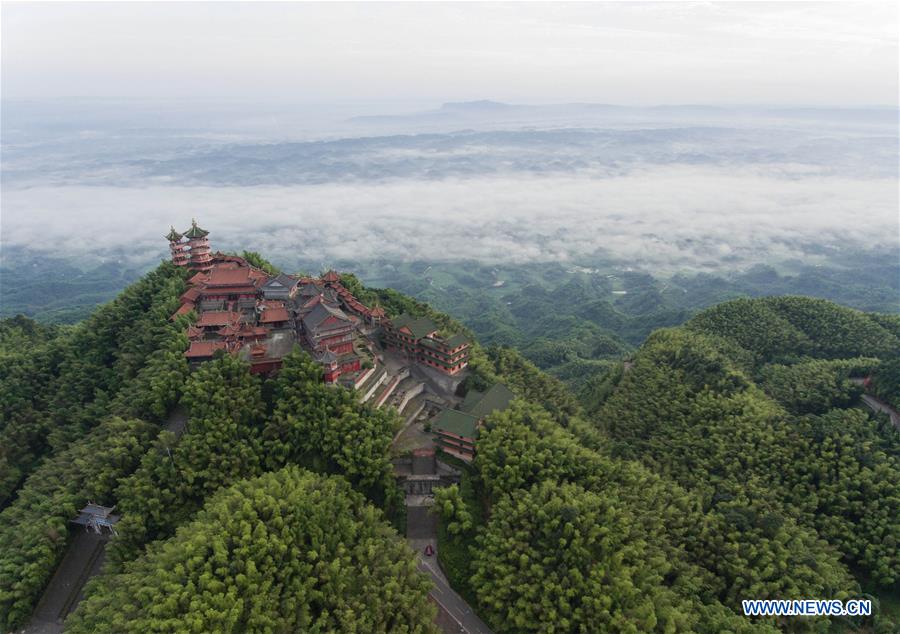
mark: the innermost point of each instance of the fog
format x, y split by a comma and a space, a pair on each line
663, 189
665, 219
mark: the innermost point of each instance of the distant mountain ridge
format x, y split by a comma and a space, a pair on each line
491, 110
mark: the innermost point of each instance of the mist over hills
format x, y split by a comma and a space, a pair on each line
666, 190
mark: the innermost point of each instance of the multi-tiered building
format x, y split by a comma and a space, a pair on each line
421, 341
456, 430
198, 243
178, 248
190, 248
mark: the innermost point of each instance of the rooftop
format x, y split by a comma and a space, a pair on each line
455, 341
455, 422
320, 313
204, 348
309, 290
272, 315
419, 327
217, 318
221, 276
280, 281
195, 231
184, 309
481, 404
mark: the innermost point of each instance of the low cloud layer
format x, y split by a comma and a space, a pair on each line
666, 218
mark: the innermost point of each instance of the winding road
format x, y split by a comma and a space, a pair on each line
879, 406
454, 614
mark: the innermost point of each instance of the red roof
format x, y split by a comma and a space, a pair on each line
204, 348
184, 309
194, 333
190, 295
221, 257
245, 289
271, 315
331, 276
227, 276
197, 278
229, 330
217, 318
258, 275
252, 331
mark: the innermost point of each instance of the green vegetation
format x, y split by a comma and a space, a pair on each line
288, 551
697, 474
724, 459
886, 382
231, 436
260, 262
573, 321
687, 410
33, 529
57, 384
328, 430
814, 387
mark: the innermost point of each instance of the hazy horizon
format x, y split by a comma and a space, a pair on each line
669, 136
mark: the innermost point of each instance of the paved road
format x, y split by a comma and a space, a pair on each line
83, 560
878, 406
454, 614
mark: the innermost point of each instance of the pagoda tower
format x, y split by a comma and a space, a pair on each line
201, 260
178, 248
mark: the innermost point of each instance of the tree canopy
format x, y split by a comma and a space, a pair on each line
288, 551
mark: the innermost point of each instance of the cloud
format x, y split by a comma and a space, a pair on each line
663, 218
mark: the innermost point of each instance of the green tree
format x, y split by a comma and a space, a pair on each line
453, 510
34, 528
288, 551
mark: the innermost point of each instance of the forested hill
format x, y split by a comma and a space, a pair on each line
725, 460
750, 407
728, 459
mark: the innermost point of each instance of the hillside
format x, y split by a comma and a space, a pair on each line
696, 476
570, 320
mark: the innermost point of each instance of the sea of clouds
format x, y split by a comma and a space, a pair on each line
683, 194
674, 217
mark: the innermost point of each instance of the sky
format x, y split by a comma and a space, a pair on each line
784, 53
247, 117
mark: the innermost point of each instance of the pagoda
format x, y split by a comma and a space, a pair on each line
178, 248
201, 260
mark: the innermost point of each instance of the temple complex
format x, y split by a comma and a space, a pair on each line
420, 340
405, 362
243, 310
